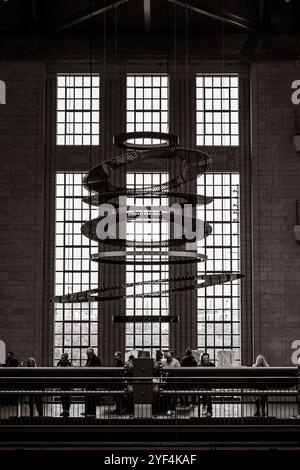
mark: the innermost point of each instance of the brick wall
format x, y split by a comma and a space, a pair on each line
27, 211
275, 187
21, 207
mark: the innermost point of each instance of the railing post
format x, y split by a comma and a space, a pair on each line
19, 406
143, 390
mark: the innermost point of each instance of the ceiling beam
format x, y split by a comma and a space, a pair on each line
217, 14
89, 14
147, 15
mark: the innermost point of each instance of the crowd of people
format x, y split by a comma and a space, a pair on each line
168, 360
162, 361
90, 401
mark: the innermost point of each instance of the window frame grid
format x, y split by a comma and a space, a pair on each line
85, 317
222, 139
134, 124
66, 137
208, 298
158, 305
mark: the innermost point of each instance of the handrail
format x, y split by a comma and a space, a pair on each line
97, 374
107, 393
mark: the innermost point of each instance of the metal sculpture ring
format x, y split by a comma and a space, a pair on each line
183, 165
191, 198
207, 281
194, 162
157, 257
122, 140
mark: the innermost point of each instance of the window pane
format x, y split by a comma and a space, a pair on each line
74, 271
77, 97
147, 336
217, 103
219, 306
147, 104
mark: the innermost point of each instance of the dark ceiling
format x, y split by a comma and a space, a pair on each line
234, 29
150, 16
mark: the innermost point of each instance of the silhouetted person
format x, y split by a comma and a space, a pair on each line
158, 363
118, 362
64, 361
128, 367
92, 359
160, 403
260, 401
130, 361
206, 399
172, 362
65, 399
128, 373
189, 360
34, 399
159, 355
11, 361
121, 405
90, 401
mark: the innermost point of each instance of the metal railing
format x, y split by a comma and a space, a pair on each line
191, 396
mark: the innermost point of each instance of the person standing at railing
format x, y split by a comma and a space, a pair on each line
118, 361
172, 362
120, 400
36, 399
128, 367
158, 363
206, 399
11, 361
159, 404
260, 401
90, 401
92, 359
188, 361
65, 399
128, 373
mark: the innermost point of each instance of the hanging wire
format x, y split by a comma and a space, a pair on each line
223, 41
102, 123
66, 136
104, 40
175, 59
91, 78
164, 299
186, 72
91, 137
186, 38
116, 40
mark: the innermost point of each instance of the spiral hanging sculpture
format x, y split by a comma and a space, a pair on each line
99, 180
